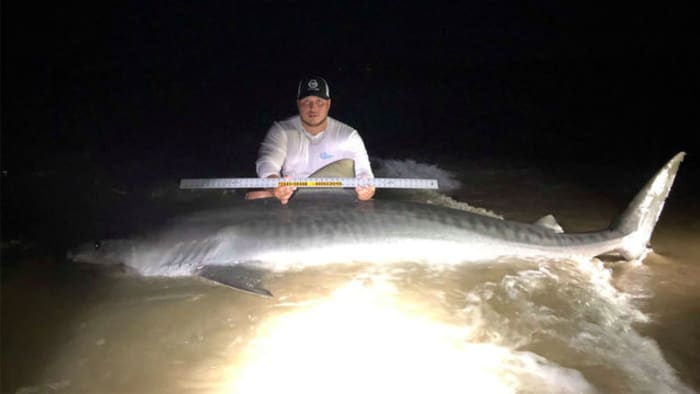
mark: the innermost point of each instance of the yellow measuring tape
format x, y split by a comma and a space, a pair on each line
310, 184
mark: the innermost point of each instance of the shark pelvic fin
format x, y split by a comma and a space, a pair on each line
550, 223
235, 277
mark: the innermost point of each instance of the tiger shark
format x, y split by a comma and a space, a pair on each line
332, 226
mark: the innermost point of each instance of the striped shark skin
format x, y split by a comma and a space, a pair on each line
328, 227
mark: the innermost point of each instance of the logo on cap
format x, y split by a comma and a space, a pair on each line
313, 84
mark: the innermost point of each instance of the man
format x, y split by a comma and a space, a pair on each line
298, 146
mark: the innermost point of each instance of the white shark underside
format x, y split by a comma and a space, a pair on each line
333, 227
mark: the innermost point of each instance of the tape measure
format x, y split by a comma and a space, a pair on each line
267, 183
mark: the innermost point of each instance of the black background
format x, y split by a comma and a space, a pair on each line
133, 92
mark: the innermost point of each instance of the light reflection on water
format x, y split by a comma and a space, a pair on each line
544, 326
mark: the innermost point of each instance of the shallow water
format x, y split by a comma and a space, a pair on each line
508, 326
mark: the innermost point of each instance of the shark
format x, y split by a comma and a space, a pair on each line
233, 245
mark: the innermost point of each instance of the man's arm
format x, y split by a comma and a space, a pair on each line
363, 168
272, 153
282, 193
357, 147
271, 156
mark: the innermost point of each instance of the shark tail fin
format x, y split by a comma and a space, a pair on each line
637, 222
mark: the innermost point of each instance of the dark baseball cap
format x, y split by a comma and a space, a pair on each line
313, 86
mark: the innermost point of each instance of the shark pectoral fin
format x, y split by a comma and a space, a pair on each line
550, 223
235, 277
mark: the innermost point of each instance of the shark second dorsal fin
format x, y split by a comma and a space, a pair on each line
550, 223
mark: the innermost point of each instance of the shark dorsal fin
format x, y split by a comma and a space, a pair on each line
343, 168
550, 223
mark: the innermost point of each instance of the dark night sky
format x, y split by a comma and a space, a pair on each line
192, 86
101, 102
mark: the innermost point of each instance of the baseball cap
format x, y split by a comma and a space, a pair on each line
313, 86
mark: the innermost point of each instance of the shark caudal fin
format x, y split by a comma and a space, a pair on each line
637, 222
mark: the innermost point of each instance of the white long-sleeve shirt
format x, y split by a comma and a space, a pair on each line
288, 149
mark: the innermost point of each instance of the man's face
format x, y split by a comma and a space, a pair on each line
313, 110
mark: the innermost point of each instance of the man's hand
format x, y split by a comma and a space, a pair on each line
365, 193
282, 193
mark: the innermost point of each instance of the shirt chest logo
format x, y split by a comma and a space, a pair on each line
326, 156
